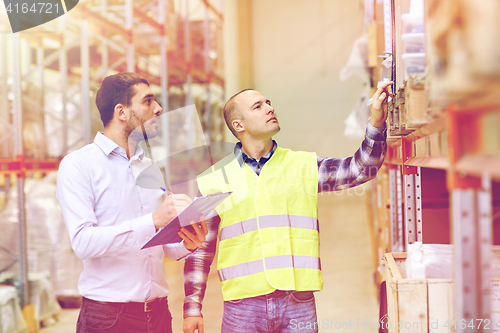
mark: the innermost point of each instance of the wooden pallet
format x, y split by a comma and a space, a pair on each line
414, 304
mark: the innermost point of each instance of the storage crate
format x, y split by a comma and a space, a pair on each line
414, 63
415, 111
413, 43
414, 304
42, 296
418, 305
413, 23
11, 318
396, 114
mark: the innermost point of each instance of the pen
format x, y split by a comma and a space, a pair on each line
165, 190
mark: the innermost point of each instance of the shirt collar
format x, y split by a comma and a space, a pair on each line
108, 146
241, 157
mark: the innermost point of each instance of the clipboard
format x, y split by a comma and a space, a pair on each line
200, 206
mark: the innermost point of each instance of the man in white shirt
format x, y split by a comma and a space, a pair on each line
109, 218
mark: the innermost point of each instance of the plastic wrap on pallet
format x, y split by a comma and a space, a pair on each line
11, 318
42, 296
356, 122
357, 64
435, 261
49, 250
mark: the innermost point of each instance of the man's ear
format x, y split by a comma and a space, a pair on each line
238, 125
119, 112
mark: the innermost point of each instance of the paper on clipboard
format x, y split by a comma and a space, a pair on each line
200, 206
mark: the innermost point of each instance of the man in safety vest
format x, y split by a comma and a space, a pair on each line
268, 250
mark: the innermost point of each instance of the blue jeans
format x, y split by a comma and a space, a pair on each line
280, 311
100, 318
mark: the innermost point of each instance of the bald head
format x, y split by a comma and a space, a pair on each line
232, 112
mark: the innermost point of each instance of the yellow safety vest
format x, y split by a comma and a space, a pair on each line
268, 235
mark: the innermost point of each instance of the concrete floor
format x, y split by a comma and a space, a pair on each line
348, 301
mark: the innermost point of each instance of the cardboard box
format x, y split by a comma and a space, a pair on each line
415, 102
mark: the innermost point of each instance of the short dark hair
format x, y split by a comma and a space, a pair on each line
116, 89
231, 112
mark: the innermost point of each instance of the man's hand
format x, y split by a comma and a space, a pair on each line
192, 323
172, 206
193, 241
378, 111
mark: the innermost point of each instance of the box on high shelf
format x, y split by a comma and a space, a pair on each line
463, 48
414, 113
397, 114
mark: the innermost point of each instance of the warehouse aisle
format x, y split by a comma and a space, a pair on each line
348, 301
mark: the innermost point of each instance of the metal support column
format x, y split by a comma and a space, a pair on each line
104, 57
63, 74
485, 225
104, 45
129, 23
399, 198
208, 106
18, 151
221, 12
413, 207
465, 241
409, 181
162, 14
42, 152
396, 234
418, 203
189, 98
472, 227
472, 224
4, 97
85, 80
187, 53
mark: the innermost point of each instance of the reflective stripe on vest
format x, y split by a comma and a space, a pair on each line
257, 266
294, 221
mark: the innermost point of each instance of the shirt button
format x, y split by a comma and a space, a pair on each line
150, 254
152, 279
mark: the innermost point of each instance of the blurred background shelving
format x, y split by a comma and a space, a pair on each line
49, 78
440, 181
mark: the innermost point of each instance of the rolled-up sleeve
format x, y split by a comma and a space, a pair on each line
341, 173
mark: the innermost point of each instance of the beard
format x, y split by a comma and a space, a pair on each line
140, 129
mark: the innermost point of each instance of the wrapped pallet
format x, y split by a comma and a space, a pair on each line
49, 250
420, 290
11, 318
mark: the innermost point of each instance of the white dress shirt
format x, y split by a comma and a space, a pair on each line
109, 218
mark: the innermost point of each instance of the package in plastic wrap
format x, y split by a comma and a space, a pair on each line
435, 261
48, 247
11, 318
43, 297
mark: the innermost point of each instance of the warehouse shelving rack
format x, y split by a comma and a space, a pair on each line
65, 59
440, 184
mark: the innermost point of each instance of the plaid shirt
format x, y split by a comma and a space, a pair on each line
334, 174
